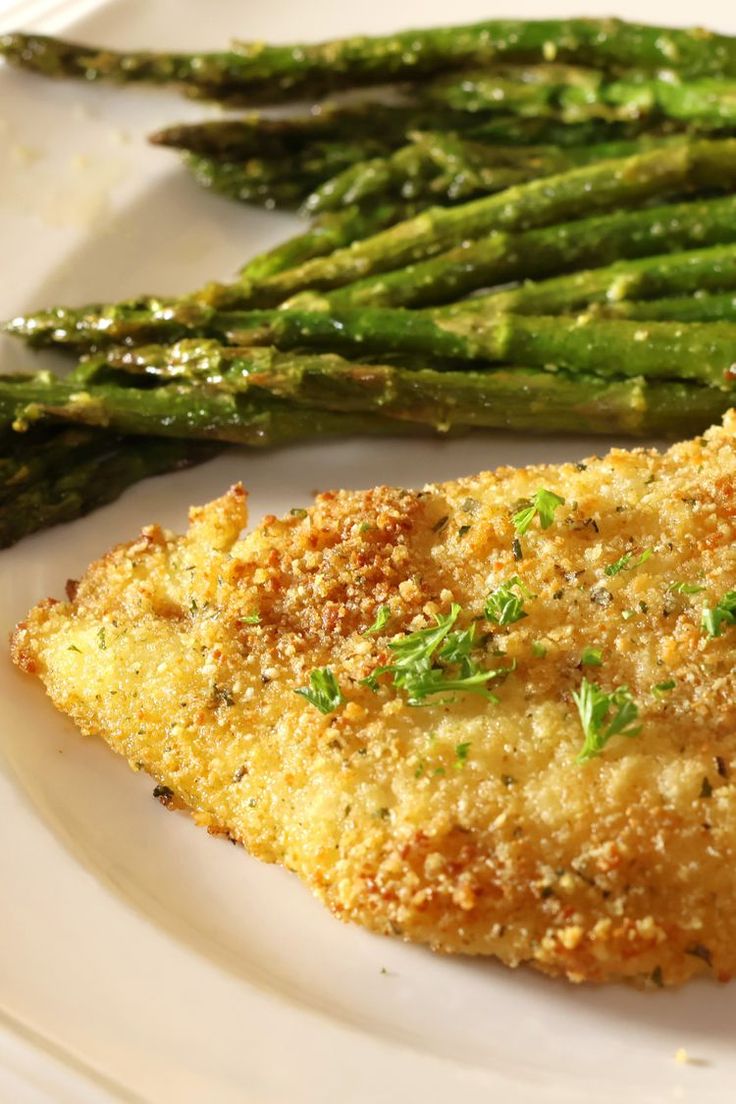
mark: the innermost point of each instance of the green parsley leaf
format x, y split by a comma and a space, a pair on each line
420, 646
627, 562
505, 604
604, 716
298, 512
101, 642
591, 657
323, 691
538, 649
662, 687
686, 588
252, 619
544, 503
383, 616
422, 661
461, 755
724, 613
458, 645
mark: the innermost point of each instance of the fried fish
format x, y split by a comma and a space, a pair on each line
496, 716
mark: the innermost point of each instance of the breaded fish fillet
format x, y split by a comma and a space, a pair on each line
601, 624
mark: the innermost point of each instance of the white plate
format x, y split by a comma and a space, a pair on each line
141, 960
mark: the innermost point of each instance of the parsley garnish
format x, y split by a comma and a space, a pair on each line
323, 691
252, 619
544, 503
627, 562
539, 649
383, 617
298, 512
604, 716
686, 588
662, 687
423, 660
505, 604
101, 642
461, 755
591, 657
724, 613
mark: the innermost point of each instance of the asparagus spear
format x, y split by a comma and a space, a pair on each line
229, 179
84, 476
331, 230
506, 398
533, 91
178, 411
448, 168
252, 71
377, 128
574, 95
685, 308
27, 458
702, 352
381, 128
695, 270
386, 331
378, 399
501, 258
409, 172
598, 187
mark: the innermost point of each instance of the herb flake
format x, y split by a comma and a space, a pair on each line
436, 660
543, 504
604, 716
723, 613
505, 604
685, 588
323, 691
627, 562
383, 616
461, 755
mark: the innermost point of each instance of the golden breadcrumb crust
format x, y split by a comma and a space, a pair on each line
619, 867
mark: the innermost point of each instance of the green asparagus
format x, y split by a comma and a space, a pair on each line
502, 257
252, 72
575, 95
509, 398
515, 398
380, 128
702, 352
84, 469
449, 168
585, 190
685, 308
696, 270
228, 179
329, 231
177, 410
